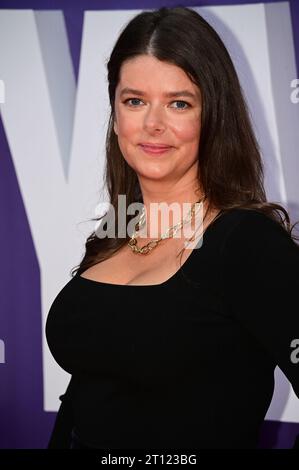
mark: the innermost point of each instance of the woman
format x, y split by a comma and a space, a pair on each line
169, 352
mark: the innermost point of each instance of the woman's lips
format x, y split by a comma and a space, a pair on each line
154, 149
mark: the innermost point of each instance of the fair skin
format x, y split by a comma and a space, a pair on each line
156, 118
153, 116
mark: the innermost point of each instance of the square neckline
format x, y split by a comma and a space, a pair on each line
171, 278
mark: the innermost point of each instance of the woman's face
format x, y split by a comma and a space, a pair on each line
165, 108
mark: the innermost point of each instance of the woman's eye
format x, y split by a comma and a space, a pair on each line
131, 99
132, 102
182, 102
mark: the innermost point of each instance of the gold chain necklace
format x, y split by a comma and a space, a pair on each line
170, 232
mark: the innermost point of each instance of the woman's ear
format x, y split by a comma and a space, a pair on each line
115, 126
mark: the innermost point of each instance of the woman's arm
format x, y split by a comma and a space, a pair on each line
61, 434
260, 287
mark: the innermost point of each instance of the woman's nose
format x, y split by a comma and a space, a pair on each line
154, 119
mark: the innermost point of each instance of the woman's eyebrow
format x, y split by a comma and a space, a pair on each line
169, 94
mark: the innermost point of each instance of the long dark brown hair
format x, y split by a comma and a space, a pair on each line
230, 164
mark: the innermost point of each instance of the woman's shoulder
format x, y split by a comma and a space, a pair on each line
252, 229
253, 220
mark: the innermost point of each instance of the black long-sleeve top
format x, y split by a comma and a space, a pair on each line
188, 363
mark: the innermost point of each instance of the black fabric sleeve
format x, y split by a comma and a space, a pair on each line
260, 287
61, 434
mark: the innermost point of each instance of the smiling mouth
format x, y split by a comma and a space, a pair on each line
156, 145
155, 149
